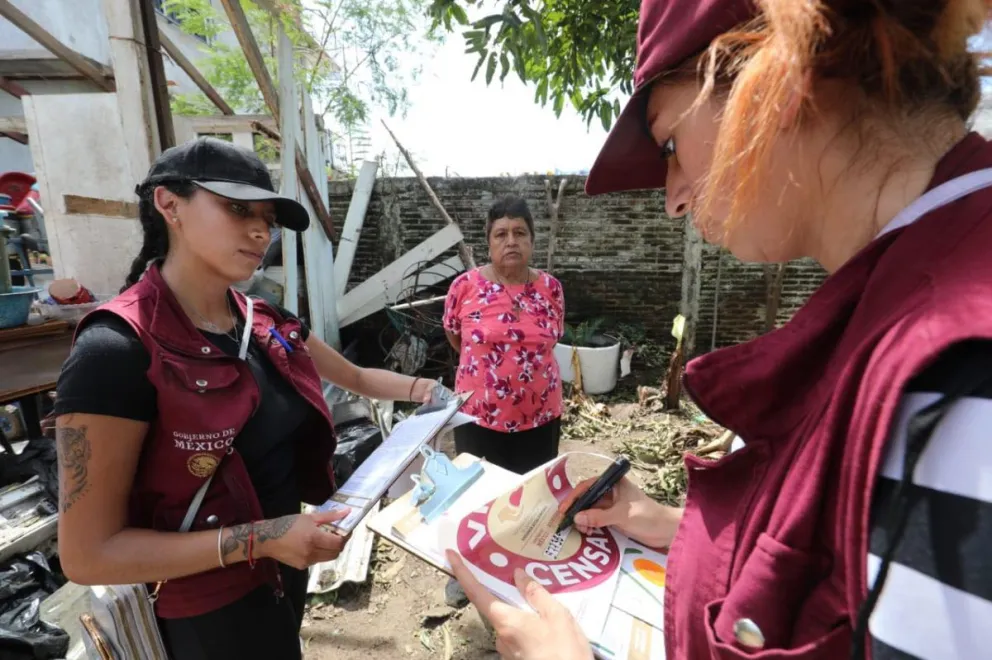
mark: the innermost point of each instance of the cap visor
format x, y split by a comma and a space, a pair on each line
630, 159
289, 213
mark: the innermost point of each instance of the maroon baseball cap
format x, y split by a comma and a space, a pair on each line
668, 33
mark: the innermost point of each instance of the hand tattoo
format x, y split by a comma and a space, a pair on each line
268, 530
73, 448
265, 530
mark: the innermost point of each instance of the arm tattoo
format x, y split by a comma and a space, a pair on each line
265, 530
74, 453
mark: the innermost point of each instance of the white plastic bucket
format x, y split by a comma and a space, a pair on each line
599, 366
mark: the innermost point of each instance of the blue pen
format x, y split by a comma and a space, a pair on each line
281, 339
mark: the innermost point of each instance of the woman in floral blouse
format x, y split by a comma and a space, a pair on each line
504, 319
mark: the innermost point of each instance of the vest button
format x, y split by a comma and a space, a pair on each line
201, 383
294, 334
749, 634
205, 350
212, 520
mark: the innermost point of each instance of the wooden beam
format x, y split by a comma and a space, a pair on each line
12, 88
156, 69
306, 180
183, 63
13, 125
411, 285
231, 123
16, 137
387, 278
353, 222
239, 22
94, 71
110, 208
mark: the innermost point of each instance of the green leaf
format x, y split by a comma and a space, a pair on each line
505, 64
488, 21
491, 68
606, 115
478, 65
459, 14
616, 107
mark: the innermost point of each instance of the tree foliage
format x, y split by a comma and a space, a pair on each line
351, 55
574, 51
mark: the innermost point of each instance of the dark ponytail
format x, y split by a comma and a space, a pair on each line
156, 236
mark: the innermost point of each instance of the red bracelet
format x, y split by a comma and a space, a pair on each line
251, 546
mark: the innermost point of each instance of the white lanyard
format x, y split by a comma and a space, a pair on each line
942, 195
246, 333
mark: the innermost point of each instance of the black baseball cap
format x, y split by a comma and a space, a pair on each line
227, 170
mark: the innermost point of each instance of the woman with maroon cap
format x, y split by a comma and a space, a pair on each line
834, 130
192, 422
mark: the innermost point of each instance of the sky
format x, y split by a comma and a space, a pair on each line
459, 127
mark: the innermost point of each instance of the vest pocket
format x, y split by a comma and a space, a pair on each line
773, 585
199, 377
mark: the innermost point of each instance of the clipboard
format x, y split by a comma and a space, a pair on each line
632, 630
386, 464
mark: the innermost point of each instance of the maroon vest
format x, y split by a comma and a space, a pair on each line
777, 531
204, 400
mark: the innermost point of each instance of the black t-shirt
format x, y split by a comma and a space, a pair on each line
105, 374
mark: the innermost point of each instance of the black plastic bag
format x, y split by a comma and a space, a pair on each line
24, 583
356, 441
39, 459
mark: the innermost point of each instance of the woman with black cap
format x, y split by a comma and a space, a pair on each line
836, 130
185, 406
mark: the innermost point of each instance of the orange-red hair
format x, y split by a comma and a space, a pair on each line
904, 55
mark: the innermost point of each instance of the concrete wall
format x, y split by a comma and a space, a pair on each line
618, 255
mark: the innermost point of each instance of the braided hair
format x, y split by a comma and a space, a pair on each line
156, 236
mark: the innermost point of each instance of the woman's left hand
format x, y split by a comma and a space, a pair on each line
549, 634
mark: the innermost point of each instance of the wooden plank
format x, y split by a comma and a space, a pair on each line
12, 88
32, 368
353, 222
290, 181
94, 71
111, 208
33, 331
230, 123
159, 84
136, 98
319, 250
13, 125
425, 278
16, 137
183, 63
317, 193
395, 272
239, 22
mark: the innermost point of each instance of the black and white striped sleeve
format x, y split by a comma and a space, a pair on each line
936, 599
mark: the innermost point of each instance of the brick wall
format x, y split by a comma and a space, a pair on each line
617, 255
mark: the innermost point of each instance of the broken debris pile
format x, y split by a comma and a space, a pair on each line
654, 439
25, 582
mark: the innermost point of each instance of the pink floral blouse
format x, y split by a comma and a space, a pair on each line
508, 335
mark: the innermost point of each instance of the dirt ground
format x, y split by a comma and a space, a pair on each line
400, 611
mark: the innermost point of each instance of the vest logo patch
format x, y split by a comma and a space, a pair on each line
203, 442
202, 465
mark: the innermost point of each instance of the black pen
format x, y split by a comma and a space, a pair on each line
610, 478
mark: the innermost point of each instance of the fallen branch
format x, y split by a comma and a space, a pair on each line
464, 252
